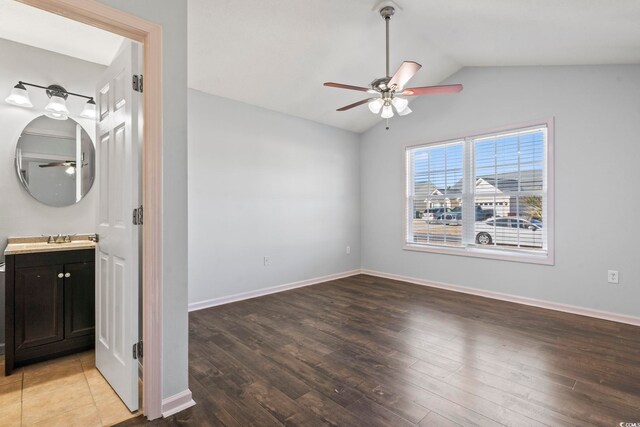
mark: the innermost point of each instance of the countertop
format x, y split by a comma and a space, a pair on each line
30, 245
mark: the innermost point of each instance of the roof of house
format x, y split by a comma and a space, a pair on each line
530, 180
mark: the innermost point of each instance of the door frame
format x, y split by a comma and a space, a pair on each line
96, 14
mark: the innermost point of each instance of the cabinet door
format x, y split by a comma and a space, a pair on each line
79, 295
39, 306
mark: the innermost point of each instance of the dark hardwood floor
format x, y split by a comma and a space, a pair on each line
365, 351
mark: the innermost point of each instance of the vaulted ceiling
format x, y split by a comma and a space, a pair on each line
276, 54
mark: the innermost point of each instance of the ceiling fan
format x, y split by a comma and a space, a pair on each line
390, 90
67, 163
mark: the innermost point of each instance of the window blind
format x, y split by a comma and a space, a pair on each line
484, 192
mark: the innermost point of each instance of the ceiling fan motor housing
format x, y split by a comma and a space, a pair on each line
381, 84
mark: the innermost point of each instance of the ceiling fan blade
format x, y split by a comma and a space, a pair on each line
350, 87
407, 70
58, 164
432, 90
355, 104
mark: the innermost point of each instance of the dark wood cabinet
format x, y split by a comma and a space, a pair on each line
38, 306
79, 299
50, 305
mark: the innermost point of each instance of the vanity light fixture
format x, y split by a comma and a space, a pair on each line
57, 106
19, 96
89, 110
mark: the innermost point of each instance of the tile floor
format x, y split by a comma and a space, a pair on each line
68, 391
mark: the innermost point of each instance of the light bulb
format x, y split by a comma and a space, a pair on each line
376, 105
400, 104
89, 111
56, 116
404, 112
19, 97
387, 112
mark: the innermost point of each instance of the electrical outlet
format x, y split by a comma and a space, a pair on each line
267, 261
348, 250
613, 277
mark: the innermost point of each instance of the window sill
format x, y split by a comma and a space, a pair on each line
531, 257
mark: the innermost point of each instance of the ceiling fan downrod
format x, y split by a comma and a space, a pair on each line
386, 12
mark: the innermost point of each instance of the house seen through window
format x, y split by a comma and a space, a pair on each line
480, 193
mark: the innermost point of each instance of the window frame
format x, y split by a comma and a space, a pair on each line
504, 254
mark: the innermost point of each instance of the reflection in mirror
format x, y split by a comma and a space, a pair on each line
55, 161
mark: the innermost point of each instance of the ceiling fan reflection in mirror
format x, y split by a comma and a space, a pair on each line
70, 166
390, 91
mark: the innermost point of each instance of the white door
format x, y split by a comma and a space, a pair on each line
117, 254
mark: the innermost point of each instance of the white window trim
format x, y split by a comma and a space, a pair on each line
519, 255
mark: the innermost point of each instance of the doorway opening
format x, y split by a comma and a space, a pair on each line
82, 360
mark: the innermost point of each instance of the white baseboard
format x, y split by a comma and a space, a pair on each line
590, 312
272, 290
176, 403
566, 308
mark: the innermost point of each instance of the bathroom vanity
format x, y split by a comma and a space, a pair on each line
49, 298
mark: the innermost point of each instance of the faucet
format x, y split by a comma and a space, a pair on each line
59, 239
55, 239
67, 238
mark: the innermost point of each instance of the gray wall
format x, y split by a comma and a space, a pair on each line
597, 120
172, 15
21, 214
263, 183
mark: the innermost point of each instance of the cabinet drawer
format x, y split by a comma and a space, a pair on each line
54, 258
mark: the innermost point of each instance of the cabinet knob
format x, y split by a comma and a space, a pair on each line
60, 275
67, 275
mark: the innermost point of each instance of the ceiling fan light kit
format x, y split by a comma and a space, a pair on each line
391, 89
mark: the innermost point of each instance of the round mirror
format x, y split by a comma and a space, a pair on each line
55, 161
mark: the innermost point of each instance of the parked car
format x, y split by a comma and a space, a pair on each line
454, 217
432, 214
509, 231
482, 214
450, 218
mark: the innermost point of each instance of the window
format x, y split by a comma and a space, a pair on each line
483, 195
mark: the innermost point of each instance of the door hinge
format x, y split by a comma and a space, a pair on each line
138, 216
137, 350
137, 82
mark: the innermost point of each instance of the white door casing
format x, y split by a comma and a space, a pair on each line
118, 171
